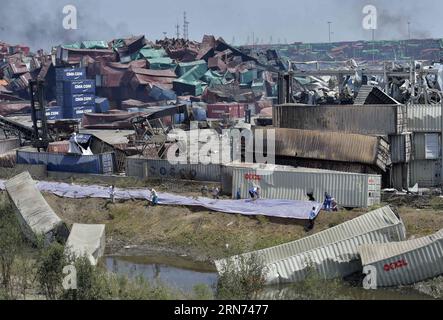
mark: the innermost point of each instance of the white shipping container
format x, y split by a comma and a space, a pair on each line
405, 262
333, 252
282, 182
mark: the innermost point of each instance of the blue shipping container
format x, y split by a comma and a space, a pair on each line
78, 100
77, 112
101, 105
103, 163
79, 87
54, 113
70, 74
199, 113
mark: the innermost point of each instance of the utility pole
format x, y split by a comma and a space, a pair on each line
177, 30
185, 27
329, 31
409, 30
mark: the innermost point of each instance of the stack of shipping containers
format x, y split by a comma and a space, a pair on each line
75, 93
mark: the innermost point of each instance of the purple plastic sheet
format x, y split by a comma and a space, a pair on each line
269, 207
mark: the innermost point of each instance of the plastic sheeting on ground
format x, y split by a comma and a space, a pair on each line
269, 207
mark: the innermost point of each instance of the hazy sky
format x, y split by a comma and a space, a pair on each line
39, 23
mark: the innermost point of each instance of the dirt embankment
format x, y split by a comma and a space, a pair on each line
132, 227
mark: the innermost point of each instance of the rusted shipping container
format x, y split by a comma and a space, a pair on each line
331, 146
368, 119
59, 147
218, 110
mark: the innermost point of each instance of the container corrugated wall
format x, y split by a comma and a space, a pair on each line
9, 144
406, 262
425, 172
381, 225
136, 167
338, 259
419, 142
103, 163
349, 189
424, 118
400, 146
163, 169
368, 119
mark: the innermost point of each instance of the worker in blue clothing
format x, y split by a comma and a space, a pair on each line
238, 195
154, 197
328, 201
312, 216
254, 192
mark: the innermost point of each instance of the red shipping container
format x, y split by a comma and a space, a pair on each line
218, 110
59, 147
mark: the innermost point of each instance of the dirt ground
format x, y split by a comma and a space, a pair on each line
132, 227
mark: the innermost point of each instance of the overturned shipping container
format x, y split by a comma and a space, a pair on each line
368, 119
87, 240
332, 252
33, 212
405, 262
282, 182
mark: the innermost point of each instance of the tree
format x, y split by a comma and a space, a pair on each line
50, 264
10, 244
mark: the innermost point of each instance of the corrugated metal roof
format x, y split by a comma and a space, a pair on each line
332, 250
406, 262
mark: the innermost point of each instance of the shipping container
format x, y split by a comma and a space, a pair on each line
426, 173
400, 176
70, 74
426, 146
79, 100
276, 182
163, 169
77, 112
404, 262
219, 110
59, 147
7, 145
101, 105
368, 119
332, 252
199, 113
424, 118
400, 146
79, 87
103, 163
35, 216
54, 113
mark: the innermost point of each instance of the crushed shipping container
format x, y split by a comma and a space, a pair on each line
87, 240
36, 217
405, 262
332, 252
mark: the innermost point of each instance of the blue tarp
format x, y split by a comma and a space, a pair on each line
268, 207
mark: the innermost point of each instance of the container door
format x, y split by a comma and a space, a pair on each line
107, 163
